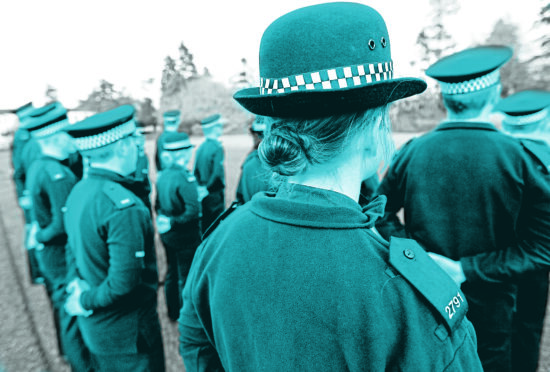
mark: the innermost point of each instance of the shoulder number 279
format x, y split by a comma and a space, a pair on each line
454, 304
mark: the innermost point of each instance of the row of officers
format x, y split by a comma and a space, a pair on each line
86, 186
475, 197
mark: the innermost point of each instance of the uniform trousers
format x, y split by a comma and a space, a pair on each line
529, 320
179, 256
212, 206
52, 264
491, 311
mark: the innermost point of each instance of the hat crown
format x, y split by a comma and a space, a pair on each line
321, 37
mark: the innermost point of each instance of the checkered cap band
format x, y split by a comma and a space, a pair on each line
526, 119
470, 86
106, 138
331, 79
48, 130
179, 145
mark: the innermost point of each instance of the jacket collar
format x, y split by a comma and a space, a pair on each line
447, 125
106, 174
306, 206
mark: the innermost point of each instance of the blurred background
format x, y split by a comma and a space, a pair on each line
193, 55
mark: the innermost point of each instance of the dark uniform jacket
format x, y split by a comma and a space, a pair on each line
301, 282
111, 239
49, 183
467, 189
209, 169
177, 198
254, 178
160, 142
139, 183
24, 154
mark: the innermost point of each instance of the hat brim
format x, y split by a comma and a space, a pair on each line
313, 104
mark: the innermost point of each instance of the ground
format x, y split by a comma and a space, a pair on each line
28, 341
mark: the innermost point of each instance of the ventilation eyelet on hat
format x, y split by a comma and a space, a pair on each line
372, 45
383, 42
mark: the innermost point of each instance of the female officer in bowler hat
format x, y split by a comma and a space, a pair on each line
300, 280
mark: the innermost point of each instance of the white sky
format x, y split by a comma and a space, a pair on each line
72, 44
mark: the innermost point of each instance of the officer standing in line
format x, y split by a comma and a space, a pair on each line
209, 170
20, 138
172, 120
468, 190
113, 271
178, 216
300, 280
254, 177
526, 115
49, 183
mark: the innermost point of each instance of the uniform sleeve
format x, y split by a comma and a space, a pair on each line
188, 194
216, 180
125, 242
532, 252
195, 348
392, 186
57, 192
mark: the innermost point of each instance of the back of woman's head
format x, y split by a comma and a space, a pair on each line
291, 145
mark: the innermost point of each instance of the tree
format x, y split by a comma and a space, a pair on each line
539, 61
171, 81
187, 66
147, 113
434, 39
105, 97
512, 74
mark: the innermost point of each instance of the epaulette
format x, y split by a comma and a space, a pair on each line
55, 171
539, 151
233, 207
414, 264
121, 197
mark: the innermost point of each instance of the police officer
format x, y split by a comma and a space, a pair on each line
300, 280
172, 120
254, 177
178, 216
113, 273
467, 189
525, 116
209, 170
20, 138
49, 183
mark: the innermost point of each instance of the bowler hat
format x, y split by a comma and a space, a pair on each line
326, 59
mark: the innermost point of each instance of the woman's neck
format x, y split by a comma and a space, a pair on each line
339, 176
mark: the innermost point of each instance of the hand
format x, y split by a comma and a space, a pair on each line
163, 224
451, 267
25, 202
73, 306
203, 192
32, 243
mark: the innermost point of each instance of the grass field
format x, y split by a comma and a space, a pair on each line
28, 341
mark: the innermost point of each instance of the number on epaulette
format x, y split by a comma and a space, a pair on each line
455, 301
